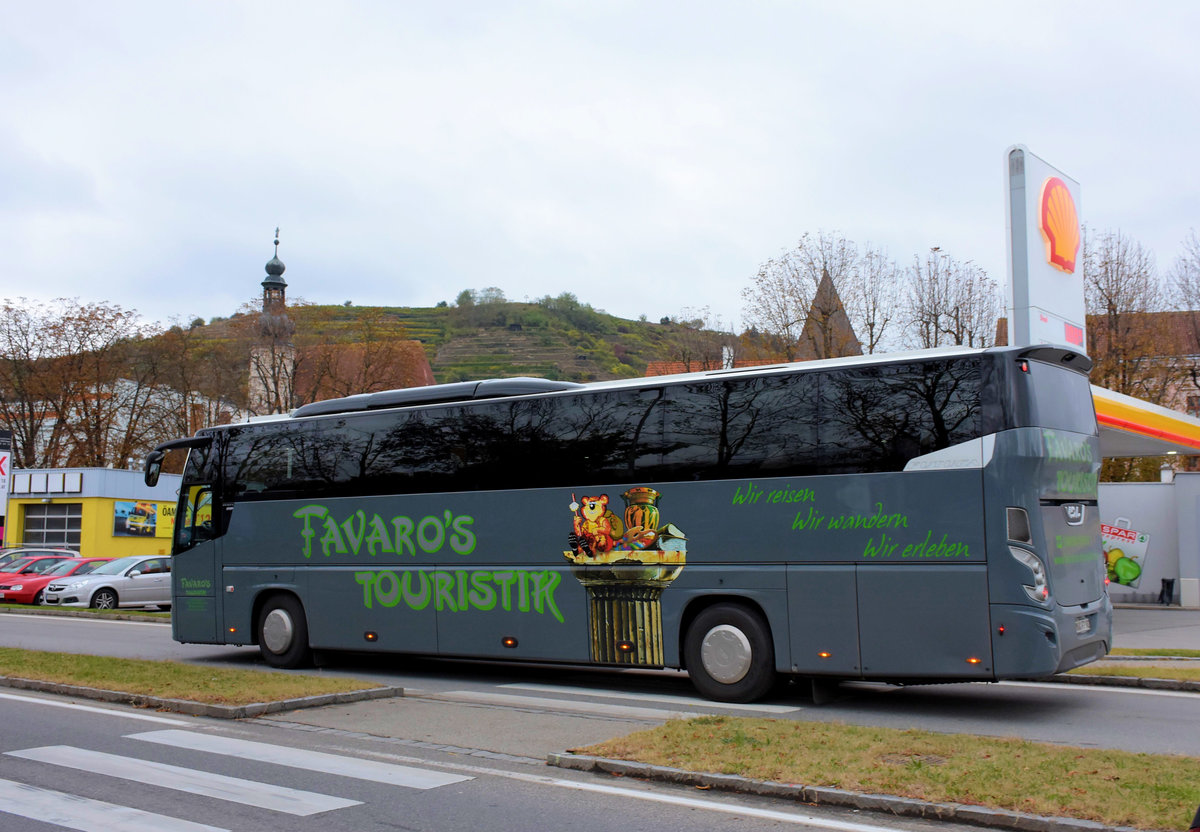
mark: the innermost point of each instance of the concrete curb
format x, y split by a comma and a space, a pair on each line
900, 806
185, 706
83, 612
1125, 682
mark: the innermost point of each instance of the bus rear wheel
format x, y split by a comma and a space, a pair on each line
729, 654
283, 633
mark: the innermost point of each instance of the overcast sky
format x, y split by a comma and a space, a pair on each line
646, 156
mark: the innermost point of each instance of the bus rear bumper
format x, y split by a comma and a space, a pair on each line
1033, 643
1085, 633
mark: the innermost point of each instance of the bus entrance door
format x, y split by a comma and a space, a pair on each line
195, 615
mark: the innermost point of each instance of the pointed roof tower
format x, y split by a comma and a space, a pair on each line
827, 330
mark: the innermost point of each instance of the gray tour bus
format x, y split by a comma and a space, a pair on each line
908, 518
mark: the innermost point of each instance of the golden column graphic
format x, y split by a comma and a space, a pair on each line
625, 564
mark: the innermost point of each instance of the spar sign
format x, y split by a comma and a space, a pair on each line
1124, 552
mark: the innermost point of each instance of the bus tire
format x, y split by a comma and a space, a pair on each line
729, 654
283, 633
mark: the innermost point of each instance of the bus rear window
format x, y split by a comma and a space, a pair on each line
1060, 399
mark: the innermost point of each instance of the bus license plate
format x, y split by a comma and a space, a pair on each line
1083, 625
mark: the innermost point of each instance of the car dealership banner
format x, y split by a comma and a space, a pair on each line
5, 465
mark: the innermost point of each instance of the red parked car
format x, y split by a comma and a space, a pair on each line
23, 580
15, 553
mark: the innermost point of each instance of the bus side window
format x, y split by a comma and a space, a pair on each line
197, 523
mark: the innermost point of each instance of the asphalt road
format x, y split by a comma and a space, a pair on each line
547, 709
65, 764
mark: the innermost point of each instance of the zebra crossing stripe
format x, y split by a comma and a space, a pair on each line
669, 699
75, 706
207, 784
543, 703
302, 758
85, 814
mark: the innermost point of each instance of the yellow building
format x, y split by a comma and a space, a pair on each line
99, 512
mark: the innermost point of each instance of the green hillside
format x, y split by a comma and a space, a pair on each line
567, 341
556, 338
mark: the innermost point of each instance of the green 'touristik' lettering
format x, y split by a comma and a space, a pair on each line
462, 590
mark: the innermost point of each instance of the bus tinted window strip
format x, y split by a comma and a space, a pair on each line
712, 430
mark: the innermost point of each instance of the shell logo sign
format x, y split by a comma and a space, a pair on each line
1059, 224
1045, 239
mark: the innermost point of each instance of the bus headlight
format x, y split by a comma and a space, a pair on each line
1039, 592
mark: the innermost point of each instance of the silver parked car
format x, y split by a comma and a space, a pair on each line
136, 581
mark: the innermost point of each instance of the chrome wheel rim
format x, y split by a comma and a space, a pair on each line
726, 654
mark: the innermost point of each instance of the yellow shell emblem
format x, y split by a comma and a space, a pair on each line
1060, 225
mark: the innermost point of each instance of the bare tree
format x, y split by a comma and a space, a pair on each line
27, 348
204, 378
107, 382
778, 301
873, 299
79, 382
267, 337
1134, 350
1185, 279
816, 296
948, 303
703, 341
364, 356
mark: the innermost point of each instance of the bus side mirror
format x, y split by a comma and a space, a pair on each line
154, 461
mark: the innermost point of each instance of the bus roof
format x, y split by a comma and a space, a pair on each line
525, 386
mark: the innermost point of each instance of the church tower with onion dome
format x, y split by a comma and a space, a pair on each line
273, 358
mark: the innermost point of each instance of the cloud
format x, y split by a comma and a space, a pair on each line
646, 158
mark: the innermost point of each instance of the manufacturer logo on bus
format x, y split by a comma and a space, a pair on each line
1074, 513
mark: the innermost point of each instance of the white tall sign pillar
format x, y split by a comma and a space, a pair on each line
1045, 271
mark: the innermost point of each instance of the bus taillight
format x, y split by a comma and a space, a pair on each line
1039, 591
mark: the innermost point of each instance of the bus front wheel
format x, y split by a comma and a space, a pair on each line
283, 633
729, 654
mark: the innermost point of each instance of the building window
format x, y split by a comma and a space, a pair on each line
1193, 406
53, 524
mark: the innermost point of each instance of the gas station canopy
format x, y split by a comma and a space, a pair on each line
1132, 427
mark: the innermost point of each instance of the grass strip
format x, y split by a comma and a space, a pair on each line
134, 611
1147, 670
1116, 788
1155, 651
170, 680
